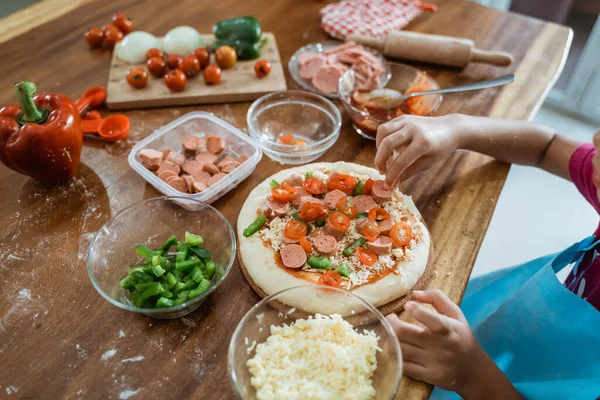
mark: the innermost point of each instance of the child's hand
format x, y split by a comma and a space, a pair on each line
420, 142
445, 352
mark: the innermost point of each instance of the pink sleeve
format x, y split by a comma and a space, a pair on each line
580, 169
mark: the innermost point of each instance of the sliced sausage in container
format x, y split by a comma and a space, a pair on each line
205, 157
210, 168
151, 159
216, 178
215, 144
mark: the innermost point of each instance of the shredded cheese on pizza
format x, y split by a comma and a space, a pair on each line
321, 357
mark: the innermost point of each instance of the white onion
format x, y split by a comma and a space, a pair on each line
182, 40
132, 49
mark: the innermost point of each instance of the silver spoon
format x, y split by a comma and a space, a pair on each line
390, 98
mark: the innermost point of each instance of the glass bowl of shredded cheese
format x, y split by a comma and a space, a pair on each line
311, 342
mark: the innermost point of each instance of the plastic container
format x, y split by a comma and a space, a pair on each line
294, 66
301, 302
306, 115
150, 222
200, 124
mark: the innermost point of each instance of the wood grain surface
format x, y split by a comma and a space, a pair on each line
238, 83
60, 339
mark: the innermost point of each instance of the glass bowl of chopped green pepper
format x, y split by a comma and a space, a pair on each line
162, 257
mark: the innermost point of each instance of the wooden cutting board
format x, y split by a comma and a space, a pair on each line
237, 84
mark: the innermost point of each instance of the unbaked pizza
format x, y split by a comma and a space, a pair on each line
333, 224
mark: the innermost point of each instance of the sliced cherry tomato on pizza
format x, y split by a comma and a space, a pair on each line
378, 214
345, 183
306, 245
338, 221
368, 186
367, 257
330, 278
314, 186
347, 209
283, 193
401, 233
295, 229
313, 211
370, 231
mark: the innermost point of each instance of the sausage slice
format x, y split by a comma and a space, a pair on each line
216, 178
199, 187
151, 158
384, 226
272, 208
189, 181
205, 157
294, 179
331, 198
168, 166
381, 246
364, 203
210, 168
293, 256
178, 184
310, 199
176, 158
215, 144
330, 230
165, 175
381, 191
229, 167
300, 193
325, 244
192, 143
289, 240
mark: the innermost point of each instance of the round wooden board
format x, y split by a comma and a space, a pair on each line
394, 306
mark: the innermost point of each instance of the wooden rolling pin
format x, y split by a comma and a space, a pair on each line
436, 49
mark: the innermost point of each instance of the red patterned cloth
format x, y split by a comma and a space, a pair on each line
369, 17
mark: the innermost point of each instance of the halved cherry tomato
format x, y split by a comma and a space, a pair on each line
94, 37
283, 193
137, 77
157, 66
401, 233
367, 257
123, 22
295, 229
342, 182
175, 80
314, 186
286, 138
370, 231
313, 211
338, 221
330, 278
154, 52
202, 56
262, 68
347, 209
368, 186
305, 245
378, 214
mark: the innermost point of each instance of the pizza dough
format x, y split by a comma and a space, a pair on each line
259, 259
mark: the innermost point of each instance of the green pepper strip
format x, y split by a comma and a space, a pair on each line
165, 302
171, 241
171, 280
193, 240
202, 287
362, 215
255, 226
144, 251
320, 222
358, 189
210, 269
319, 262
309, 175
187, 265
201, 252
343, 270
348, 251
274, 184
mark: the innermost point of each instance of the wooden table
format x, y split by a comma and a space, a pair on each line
60, 339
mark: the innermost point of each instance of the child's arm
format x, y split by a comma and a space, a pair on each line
420, 141
444, 352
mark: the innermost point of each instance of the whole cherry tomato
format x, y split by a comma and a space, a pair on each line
173, 61
137, 77
123, 22
175, 80
153, 52
225, 57
262, 68
112, 35
212, 75
94, 37
157, 66
202, 56
189, 65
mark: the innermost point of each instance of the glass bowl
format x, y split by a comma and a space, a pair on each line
294, 66
403, 77
306, 115
150, 222
300, 302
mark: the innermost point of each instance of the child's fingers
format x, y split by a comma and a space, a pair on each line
439, 301
420, 165
412, 353
403, 161
385, 130
435, 322
387, 146
407, 332
414, 370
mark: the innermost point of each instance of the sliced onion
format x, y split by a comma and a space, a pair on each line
132, 49
182, 40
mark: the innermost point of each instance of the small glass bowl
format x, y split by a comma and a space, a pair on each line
294, 66
306, 115
150, 222
402, 78
301, 302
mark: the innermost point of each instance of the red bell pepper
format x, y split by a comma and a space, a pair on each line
42, 136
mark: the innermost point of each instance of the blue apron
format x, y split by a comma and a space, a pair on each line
543, 337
